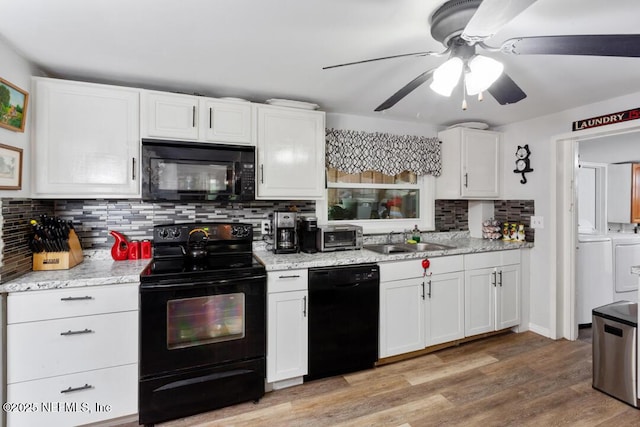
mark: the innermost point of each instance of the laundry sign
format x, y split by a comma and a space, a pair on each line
607, 119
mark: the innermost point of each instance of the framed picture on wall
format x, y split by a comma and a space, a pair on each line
13, 106
10, 167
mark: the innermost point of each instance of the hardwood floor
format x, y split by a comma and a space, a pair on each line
506, 380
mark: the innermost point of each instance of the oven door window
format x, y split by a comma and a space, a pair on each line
192, 176
205, 320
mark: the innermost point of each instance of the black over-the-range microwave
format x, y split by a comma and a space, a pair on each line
197, 171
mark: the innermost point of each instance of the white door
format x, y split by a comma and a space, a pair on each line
86, 140
480, 163
169, 116
508, 297
290, 154
401, 317
287, 335
444, 311
479, 300
226, 121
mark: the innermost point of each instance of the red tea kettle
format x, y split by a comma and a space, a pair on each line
120, 249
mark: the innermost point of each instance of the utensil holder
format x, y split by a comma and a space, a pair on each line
60, 260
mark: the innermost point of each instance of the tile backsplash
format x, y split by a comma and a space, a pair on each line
135, 219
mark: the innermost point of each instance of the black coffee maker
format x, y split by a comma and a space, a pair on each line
284, 232
308, 234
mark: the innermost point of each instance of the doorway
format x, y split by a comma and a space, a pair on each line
566, 202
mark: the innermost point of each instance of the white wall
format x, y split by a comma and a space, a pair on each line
540, 134
612, 149
374, 124
18, 71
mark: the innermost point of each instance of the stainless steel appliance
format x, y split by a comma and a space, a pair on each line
190, 171
343, 319
615, 357
340, 237
285, 237
308, 234
202, 321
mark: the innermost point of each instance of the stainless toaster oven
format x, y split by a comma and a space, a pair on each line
339, 237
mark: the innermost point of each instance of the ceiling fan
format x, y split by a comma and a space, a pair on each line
464, 25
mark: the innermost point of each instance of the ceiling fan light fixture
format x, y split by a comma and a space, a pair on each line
447, 76
482, 73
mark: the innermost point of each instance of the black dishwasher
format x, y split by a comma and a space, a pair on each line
343, 319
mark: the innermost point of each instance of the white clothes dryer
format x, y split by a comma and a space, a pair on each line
594, 275
626, 253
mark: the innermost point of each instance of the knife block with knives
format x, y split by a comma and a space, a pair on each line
55, 245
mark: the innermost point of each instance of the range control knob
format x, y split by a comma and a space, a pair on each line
176, 233
163, 233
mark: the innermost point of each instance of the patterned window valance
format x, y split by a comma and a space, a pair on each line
355, 151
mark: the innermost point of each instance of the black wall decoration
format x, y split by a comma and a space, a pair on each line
522, 162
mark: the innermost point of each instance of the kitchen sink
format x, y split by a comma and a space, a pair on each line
392, 248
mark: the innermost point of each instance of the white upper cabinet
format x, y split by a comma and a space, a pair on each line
470, 164
193, 118
86, 140
290, 146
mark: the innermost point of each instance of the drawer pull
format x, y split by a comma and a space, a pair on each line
293, 276
84, 331
72, 389
76, 298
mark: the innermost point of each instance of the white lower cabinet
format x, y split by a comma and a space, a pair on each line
287, 327
418, 310
72, 355
492, 291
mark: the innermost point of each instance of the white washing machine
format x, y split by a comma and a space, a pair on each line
594, 275
626, 253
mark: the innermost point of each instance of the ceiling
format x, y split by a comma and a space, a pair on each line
265, 49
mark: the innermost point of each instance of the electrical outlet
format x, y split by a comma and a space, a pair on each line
265, 226
537, 222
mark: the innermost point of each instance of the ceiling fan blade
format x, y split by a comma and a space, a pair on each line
506, 91
491, 16
625, 45
406, 90
388, 57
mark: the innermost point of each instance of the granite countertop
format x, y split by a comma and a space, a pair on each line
462, 242
99, 269
96, 269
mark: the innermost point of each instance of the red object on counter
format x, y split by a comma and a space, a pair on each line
145, 249
134, 249
120, 249
426, 263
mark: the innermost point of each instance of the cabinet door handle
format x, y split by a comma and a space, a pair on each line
193, 116
429, 289
466, 180
72, 389
493, 282
423, 289
70, 332
86, 297
133, 168
293, 276
500, 274
304, 306
210, 117
262, 174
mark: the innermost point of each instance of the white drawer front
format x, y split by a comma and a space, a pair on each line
491, 259
82, 301
38, 350
287, 280
48, 406
401, 270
